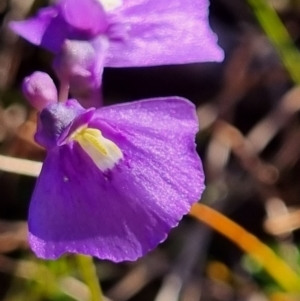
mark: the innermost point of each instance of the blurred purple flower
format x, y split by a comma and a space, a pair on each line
112, 33
115, 179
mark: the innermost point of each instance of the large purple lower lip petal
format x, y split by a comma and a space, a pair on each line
69, 215
124, 212
164, 32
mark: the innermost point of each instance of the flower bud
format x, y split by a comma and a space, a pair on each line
77, 60
40, 90
80, 64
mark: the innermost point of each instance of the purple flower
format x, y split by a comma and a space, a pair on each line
116, 33
137, 32
115, 179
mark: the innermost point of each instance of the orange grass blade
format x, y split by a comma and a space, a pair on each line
274, 265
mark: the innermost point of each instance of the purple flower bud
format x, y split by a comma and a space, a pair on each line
40, 90
76, 60
80, 63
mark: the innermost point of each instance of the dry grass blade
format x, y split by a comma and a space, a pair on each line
138, 278
20, 166
264, 131
13, 235
242, 148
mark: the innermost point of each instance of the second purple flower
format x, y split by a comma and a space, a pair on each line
88, 35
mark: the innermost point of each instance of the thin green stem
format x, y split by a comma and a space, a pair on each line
279, 36
88, 272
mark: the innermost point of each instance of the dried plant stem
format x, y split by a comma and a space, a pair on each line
279, 36
88, 272
20, 166
274, 265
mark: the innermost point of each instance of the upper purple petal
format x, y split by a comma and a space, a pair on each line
80, 20
46, 29
124, 212
86, 16
163, 32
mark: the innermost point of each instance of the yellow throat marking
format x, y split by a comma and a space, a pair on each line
104, 153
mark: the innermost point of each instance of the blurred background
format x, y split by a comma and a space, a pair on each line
248, 108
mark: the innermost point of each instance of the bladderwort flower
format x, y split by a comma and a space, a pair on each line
88, 35
116, 179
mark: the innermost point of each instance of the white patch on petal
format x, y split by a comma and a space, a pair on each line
110, 5
104, 153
